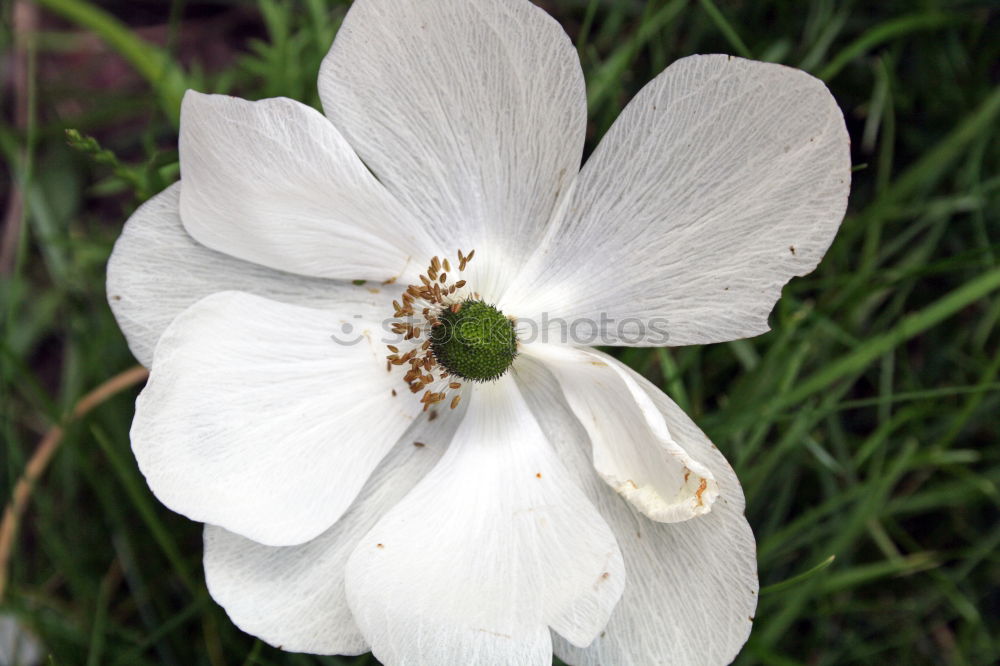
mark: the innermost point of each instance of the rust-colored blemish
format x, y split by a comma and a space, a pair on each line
701, 488
419, 445
393, 393
433, 415
605, 575
632, 483
791, 248
687, 474
379, 546
538, 476
391, 280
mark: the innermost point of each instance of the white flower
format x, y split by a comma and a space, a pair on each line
341, 515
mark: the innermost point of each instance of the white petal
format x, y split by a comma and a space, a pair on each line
18, 646
255, 419
634, 449
273, 182
692, 586
157, 270
293, 597
720, 181
471, 112
489, 549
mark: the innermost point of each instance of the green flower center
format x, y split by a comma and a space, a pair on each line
474, 341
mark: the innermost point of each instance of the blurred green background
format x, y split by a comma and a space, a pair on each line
864, 426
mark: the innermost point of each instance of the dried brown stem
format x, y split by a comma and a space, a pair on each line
43, 455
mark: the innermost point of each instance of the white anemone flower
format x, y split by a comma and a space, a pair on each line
463, 498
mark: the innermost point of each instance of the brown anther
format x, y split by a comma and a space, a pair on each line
454, 401
460, 284
456, 307
393, 349
447, 266
454, 385
443, 278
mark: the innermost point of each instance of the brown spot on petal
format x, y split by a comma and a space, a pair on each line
419, 445
379, 546
701, 488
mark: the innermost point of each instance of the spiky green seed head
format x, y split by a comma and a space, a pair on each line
477, 343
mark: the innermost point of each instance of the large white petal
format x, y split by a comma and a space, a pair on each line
634, 449
157, 270
273, 182
472, 112
720, 181
256, 419
293, 596
692, 586
490, 549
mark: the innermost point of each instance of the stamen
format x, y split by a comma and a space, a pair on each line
444, 313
